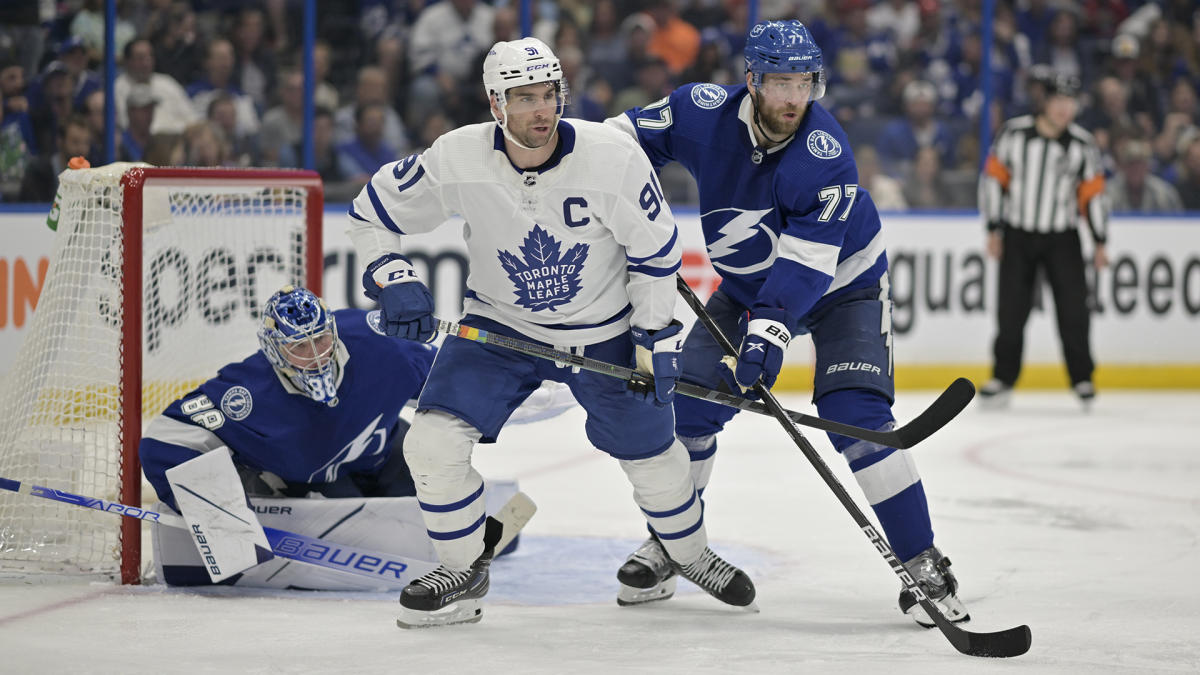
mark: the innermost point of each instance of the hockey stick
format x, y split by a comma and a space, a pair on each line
1005, 643
947, 405
291, 545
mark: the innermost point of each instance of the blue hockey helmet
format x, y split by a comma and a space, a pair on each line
784, 47
299, 337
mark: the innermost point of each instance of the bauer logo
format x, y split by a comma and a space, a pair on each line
708, 96
237, 403
822, 145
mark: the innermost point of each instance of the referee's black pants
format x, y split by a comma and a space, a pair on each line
1059, 256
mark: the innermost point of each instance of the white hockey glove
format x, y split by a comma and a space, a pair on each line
405, 304
657, 352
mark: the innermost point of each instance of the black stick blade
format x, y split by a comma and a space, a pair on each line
1002, 644
945, 408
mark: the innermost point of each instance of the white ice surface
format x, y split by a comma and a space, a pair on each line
1085, 527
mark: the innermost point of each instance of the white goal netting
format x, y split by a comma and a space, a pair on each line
214, 245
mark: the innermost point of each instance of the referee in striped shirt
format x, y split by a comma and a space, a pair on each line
1042, 178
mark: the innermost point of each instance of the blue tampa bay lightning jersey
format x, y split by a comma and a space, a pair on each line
785, 230
270, 426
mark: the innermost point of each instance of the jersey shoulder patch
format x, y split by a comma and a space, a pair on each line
708, 96
823, 145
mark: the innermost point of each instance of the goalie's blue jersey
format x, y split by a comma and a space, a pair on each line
785, 231
269, 426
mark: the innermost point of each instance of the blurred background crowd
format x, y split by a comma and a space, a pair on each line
220, 82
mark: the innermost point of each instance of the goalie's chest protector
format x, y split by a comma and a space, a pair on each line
540, 240
302, 440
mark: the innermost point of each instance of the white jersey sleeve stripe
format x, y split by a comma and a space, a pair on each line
380, 211
652, 271
820, 257
849, 269
174, 432
665, 250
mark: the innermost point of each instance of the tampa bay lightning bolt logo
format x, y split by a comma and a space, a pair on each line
237, 403
734, 244
375, 321
544, 279
708, 96
822, 145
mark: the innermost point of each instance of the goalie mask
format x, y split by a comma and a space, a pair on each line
299, 337
517, 63
784, 47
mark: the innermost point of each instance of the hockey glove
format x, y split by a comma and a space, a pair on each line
761, 355
406, 306
657, 352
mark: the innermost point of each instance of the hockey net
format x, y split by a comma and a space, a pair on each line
156, 281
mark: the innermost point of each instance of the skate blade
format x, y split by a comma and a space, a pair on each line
463, 611
629, 596
751, 608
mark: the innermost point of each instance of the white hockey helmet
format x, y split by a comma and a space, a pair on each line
517, 63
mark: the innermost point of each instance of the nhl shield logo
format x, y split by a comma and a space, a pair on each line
708, 96
542, 277
237, 403
822, 145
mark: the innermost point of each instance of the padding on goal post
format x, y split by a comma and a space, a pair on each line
156, 280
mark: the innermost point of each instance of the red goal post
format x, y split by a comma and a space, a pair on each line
156, 280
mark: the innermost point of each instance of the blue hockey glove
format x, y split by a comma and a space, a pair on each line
761, 355
657, 352
406, 306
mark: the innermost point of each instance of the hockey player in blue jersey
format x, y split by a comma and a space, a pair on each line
572, 245
798, 246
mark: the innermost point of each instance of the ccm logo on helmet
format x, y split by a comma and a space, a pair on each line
537, 66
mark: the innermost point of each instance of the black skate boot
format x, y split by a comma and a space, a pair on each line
931, 570
719, 579
646, 576
445, 596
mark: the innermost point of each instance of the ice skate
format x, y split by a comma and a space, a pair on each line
995, 395
1086, 393
931, 570
719, 579
646, 576
444, 596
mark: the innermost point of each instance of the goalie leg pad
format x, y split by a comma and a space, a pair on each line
663, 489
438, 451
222, 525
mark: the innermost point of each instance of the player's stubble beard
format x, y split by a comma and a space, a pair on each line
530, 139
771, 118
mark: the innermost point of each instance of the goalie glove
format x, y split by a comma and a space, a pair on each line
405, 304
657, 353
761, 355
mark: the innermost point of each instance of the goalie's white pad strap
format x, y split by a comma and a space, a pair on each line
224, 529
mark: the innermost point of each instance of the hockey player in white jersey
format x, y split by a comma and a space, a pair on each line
571, 245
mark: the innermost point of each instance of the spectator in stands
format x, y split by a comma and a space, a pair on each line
177, 45
362, 157
886, 192
54, 108
41, 175
434, 126
326, 159
606, 45
255, 69
325, 95
653, 82
1110, 116
88, 26
175, 110
217, 77
14, 155
580, 103
165, 150
919, 128
205, 145
140, 106
925, 186
282, 126
901, 19
1134, 187
14, 108
713, 63
673, 40
371, 88
244, 149
74, 56
1145, 103
1188, 183
1183, 113
1063, 50
447, 37
92, 109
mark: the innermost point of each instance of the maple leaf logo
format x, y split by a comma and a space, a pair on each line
543, 278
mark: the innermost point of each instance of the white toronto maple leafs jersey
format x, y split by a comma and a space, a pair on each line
572, 252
